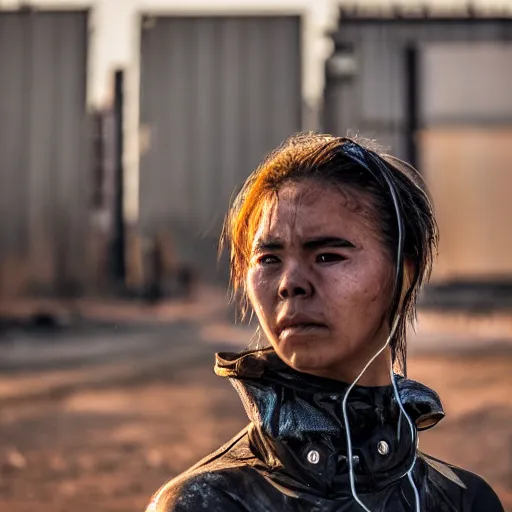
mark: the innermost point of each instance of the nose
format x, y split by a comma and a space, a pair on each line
294, 283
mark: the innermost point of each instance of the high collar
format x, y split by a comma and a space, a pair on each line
294, 413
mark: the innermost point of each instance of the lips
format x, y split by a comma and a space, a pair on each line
298, 323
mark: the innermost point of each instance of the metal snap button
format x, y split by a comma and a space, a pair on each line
383, 447
313, 457
355, 460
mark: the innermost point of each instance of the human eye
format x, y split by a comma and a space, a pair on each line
268, 259
328, 257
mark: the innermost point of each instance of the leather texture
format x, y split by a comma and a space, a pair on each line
293, 454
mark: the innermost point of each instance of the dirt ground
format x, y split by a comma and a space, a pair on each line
109, 447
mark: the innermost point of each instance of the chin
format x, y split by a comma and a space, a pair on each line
308, 357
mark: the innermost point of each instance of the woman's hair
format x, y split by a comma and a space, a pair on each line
371, 174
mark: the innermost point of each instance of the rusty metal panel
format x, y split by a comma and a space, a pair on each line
217, 93
43, 162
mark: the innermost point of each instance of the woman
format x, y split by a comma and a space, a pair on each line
330, 242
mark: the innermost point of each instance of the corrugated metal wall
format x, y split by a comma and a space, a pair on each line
374, 101
216, 94
43, 186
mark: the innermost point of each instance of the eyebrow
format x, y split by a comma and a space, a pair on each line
312, 244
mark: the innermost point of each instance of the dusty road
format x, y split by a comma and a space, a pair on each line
104, 434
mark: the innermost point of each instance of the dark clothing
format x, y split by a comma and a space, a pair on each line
293, 454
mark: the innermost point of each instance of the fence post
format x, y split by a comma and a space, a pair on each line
118, 243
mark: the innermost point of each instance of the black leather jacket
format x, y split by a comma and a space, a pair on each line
292, 456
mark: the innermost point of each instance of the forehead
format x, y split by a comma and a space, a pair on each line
308, 209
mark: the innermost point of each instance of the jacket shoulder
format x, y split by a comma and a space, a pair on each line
480, 495
213, 489
477, 495
216, 483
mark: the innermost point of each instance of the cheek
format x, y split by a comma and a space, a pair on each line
259, 289
360, 288
376, 290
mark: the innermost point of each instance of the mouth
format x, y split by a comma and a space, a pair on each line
294, 328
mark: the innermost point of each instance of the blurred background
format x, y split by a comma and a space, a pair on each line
126, 126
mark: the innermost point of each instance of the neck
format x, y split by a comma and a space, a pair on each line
377, 374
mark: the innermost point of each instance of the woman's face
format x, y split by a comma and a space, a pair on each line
320, 280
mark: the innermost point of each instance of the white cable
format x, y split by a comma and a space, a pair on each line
413, 437
345, 417
347, 426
